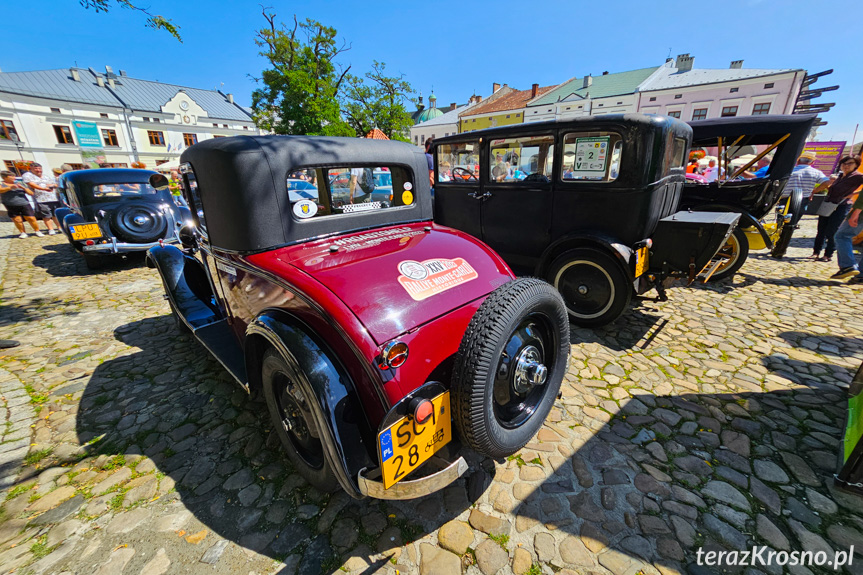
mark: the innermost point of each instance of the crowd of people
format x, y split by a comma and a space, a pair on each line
33, 198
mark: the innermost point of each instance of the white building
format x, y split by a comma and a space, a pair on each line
444, 125
136, 120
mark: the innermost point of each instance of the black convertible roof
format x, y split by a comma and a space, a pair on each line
108, 176
242, 183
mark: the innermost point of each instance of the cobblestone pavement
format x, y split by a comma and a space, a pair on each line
709, 421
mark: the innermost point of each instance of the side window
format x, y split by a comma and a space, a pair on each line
593, 156
458, 163
678, 154
526, 158
318, 192
193, 196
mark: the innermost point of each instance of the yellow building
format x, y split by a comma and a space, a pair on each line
504, 107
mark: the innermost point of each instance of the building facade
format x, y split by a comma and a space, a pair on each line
505, 106
43, 116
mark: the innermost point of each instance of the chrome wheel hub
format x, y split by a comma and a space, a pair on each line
583, 289
529, 371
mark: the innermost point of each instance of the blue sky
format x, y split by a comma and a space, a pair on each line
461, 50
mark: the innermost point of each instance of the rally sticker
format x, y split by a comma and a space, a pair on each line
409, 186
365, 207
407, 198
231, 271
425, 279
305, 209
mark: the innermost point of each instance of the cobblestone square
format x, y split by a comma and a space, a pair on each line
711, 421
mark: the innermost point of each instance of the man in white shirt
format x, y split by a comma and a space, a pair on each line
711, 174
45, 193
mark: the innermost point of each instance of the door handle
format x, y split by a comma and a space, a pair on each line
481, 196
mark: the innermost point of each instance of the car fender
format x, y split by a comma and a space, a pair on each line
70, 218
621, 252
337, 411
61, 213
746, 219
185, 284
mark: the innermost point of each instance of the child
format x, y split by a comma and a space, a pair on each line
14, 197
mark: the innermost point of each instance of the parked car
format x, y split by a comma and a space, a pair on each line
376, 336
753, 198
114, 211
595, 215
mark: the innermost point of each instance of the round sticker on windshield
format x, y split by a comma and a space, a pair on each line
407, 198
409, 186
413, 270
305, 209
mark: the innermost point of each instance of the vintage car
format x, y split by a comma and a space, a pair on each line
115, 211
589, 204
736, 191
377, 337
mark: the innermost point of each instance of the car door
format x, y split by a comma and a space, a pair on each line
457, 193
517, 198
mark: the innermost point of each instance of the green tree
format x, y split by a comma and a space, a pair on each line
300, 92
378, 101
154, 21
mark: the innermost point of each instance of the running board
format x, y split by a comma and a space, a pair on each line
220, 341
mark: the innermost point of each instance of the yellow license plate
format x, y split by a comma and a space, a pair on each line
85, 231
641, 261
405, 445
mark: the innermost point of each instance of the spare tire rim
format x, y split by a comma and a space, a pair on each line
296, 419
587, 288
519, 381
729, 253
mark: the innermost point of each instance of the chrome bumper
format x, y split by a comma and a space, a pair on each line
115, 247
415, 488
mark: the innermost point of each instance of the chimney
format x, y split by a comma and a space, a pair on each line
533, 90
109, 70
123, 73
684, 63
75, 75
667, 60
495, 87
588, 81
111, 82
605, 73
453, 106
100, 81
736, 64
230, 98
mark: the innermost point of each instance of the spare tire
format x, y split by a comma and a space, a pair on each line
138, 223
509, 366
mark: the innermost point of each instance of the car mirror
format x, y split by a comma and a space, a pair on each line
189, 237
159, 181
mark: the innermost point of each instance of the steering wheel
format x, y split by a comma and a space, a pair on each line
536, 177
464, 174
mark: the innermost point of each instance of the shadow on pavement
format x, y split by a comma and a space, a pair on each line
63, 261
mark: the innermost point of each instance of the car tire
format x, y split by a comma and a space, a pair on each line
736, 249
293, 421
93, 262
594, 286
784, 240
795, 209
496, 408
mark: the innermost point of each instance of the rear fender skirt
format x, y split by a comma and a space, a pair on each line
746, 219
337, 410
185, 283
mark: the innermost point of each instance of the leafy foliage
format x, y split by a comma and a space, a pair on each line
378, 102
154, 21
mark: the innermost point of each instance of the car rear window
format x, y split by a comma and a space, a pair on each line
122, 189
316, 192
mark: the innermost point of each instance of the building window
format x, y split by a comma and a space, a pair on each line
416, 140
507, 116
146, 119
156, 138
156, 120
102, 115
729, 111
110, 137
64, 135
674, 114
423, 139
217, 136
517, 115
699, 114
55, 110
215, 125
678, 96
653, 98
224, 125
190, 139
245, 127
600, 105
761, 109
734, 90
619, 103
7, 130
768, 85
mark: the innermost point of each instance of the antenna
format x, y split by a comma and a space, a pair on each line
669, 53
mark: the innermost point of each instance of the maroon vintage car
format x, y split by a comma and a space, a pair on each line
369, 329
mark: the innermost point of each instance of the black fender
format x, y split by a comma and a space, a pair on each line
70, 218
622, 253
186, 285
61, 213
746, 219
338, 414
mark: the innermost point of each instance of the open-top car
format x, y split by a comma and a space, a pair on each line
589, 204
377, 337
743, 190
115, 211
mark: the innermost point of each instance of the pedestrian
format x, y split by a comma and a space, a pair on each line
430, 161
14, 197
849, 227
711, 173
692, 168
807, 179
45, 193
835, 207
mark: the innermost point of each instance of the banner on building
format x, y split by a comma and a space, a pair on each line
827, 155
87, 134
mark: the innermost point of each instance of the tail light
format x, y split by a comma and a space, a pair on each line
421, 409
394, 354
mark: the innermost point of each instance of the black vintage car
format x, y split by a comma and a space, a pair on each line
590, 204
736, 191
114, 211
